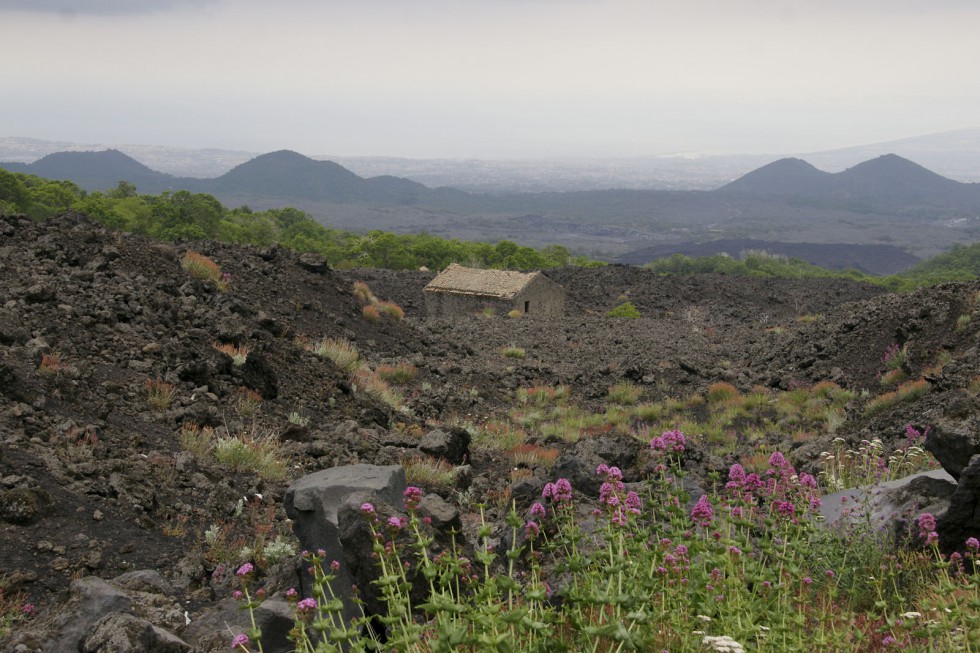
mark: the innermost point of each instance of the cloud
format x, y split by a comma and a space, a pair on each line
69, 9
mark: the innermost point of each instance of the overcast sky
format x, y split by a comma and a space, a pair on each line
489, 78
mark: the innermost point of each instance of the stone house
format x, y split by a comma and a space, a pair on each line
458, 291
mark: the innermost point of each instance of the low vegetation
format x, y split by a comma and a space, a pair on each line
748, 566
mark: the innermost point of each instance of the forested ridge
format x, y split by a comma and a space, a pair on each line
182, 215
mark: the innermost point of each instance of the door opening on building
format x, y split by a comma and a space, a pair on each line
527, 307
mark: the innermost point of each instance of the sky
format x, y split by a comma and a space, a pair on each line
489, 78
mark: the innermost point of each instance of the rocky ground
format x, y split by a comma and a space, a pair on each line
95, 483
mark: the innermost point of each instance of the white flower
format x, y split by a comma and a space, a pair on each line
723, 644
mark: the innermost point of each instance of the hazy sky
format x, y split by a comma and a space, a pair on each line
489, 78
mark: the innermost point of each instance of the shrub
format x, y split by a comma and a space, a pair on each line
429, 472
515, 314
198, 440
343, 354
895, 357
962, 323
532, 455
297, 419
202, 268
362, 293
399, 374
371, 313
626, 309
513, 352
251, 452
391, 311
376, 387
159, 394
624, 393
238, 353
247, 401
721, 391
908, 391
50, 365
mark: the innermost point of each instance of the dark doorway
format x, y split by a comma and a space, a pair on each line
527, 307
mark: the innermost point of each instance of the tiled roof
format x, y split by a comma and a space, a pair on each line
503, 284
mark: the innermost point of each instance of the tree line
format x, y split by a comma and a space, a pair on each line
182, 215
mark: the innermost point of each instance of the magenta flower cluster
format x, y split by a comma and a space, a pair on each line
927, 528
781, 493
412, 497
613, 495
560, 491
669, 442
702, 512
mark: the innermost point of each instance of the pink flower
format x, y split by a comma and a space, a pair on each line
538, 511
367, 509
397, 522
560, 490
245, 569
932, 538
702, 511
973, 544
736, 473
927, 522
334, 565
412, 496
291, 593
240, 642
306, 605
531, 529
28, 610
237, 595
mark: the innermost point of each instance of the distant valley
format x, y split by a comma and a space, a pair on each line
897, 208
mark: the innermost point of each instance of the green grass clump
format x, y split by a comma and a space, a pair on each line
430, 473
400, 374
373, 385
202, 268
251, 452
159, 394
513, 352
343, 354
626, 309
908, 391
624, 393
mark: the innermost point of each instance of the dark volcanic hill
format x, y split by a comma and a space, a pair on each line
782, 177
888, 180
289, 175
98, 170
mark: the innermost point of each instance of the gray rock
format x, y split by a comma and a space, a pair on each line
91, 598
443, 514
213, 630
452, 445
23, 505
314, 503
892, 502
124, 633
962, 519
313, 263
579, 463
953, 444
144, 580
